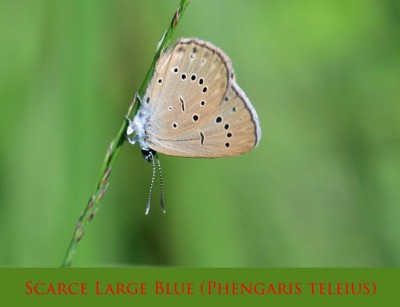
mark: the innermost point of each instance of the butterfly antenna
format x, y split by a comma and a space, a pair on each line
161, 183
152, 183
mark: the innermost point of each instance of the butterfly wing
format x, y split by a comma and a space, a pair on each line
196, 108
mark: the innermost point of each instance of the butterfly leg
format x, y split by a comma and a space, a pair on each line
136, 97
131, 125
130, 130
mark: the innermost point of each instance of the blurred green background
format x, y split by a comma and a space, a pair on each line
322, 188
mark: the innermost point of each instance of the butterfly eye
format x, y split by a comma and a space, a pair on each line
218, 119
193, 77
195, 117
201, 81
229, 135
176, 70
204, 90
159, 81
227, 145
174, 125
202, 103
226, 127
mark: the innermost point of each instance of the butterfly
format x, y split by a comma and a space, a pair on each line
193, 107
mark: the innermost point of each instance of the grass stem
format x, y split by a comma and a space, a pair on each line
93, 204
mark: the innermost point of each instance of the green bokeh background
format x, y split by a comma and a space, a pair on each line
322, 188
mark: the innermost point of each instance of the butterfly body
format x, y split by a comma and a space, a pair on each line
193, 106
